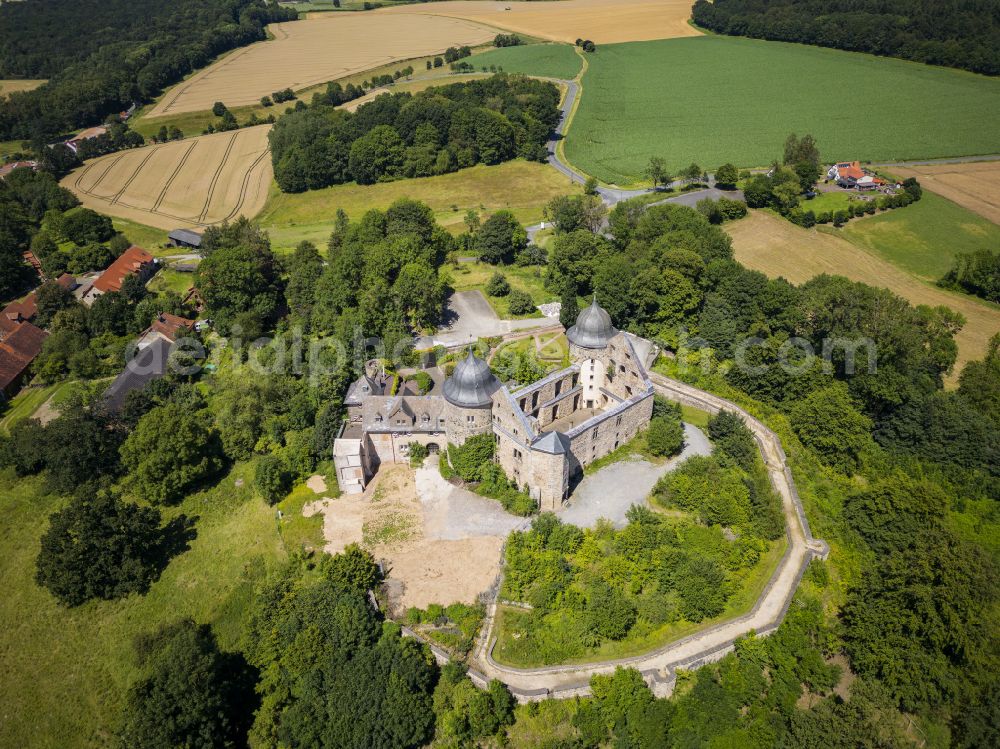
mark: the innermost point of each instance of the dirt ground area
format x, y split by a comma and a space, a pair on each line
601, 21
315, 50
431, 554
10, 85
779, 248
975, 185
189, 183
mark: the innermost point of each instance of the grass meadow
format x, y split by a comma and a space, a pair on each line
519, 186
924, 237
475, 276
63, 672
547, 60
715, 99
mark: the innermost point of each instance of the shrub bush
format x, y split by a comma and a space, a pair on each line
498, 285
521, 303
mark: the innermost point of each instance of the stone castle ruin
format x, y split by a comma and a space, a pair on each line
546, 433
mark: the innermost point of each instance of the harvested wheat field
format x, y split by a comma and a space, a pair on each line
779, 248
187, 183
10, 85
434, 550
601, 21
973, 185
315, 50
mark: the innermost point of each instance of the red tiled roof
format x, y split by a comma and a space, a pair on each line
128, 263
6, 169
17, 350
852, 170
67, 281
170, 325
22, 311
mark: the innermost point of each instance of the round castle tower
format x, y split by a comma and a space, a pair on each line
588, 346
468, 395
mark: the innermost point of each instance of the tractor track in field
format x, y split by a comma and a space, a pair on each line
172, 177
246, 183
215, 177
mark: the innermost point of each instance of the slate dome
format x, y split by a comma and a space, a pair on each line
472, 384
593, 328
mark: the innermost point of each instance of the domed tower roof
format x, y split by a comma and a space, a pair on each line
593, 327
472, 383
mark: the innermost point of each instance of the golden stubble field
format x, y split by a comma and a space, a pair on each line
188, 183
777, 247
602, 21
10, 85
315, 50
974, 185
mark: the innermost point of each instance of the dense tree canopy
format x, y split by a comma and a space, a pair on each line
101, 56
961, 34
414, 135
333, 674
102, 547
191, 694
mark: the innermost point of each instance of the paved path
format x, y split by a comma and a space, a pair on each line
468, 316
659, 666
610, 492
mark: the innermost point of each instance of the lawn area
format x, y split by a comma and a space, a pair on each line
924, 237
827, 202
520, 651
695, 416
23, 405
714, 99
10, 85
546, 60
149, 238
531, 280
63, 672
168, 279
523, 187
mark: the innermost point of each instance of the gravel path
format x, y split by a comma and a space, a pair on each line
611, 491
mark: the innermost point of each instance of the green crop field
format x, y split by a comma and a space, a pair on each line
715, 99
549, 60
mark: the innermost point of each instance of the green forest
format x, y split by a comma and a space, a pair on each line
961, 34
436, 131
101, 56
892, 638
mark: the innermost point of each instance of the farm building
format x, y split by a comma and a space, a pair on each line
545, 432
851, 176
25, 310
184, 238
135, 261
91, 132
151, 359
6, 169
18, 348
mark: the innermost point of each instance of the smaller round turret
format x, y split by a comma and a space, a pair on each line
472, 384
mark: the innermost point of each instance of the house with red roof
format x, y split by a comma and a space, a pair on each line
25, 310
135, 261
851, 176
6, 169
18, 348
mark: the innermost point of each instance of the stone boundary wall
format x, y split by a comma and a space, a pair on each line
657, 667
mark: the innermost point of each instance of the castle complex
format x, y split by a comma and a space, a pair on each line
546, 432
